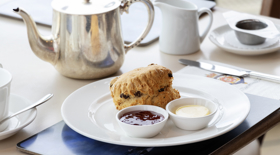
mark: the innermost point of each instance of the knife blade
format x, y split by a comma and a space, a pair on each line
230, 71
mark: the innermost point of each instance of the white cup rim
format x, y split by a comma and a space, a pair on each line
170, 3
10, 76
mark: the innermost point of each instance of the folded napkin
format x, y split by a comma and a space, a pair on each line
246, 85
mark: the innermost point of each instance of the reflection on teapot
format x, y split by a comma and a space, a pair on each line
86, 40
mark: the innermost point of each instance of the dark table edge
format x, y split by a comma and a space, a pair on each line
251, 134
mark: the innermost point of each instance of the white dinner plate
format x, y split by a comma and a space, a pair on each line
20, 121
218, 37
90, 111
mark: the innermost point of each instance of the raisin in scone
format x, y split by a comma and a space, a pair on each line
150, 85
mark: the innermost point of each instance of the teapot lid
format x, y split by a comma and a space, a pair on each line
85, 7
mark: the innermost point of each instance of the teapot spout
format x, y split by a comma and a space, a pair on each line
42, 46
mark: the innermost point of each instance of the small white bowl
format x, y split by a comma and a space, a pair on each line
145, 131
187, 123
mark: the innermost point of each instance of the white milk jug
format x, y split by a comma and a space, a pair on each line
179, 33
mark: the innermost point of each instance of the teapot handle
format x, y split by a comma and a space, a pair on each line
151, 14
209, 12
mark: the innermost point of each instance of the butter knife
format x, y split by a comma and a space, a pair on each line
230, 71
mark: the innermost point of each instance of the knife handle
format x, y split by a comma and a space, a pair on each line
266, 77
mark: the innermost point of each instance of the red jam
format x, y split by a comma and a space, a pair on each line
141, 117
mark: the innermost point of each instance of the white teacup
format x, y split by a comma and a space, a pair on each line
180, 34
5, 83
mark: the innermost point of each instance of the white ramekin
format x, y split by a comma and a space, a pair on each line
145, 131
187, 123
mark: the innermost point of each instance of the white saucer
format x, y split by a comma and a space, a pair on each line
22, 120
218, 37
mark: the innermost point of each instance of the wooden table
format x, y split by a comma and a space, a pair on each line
34, 78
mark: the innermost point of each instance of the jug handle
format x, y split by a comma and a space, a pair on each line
151, 14
209, 12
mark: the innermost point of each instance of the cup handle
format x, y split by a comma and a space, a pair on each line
209, 12
1, 66
151, 14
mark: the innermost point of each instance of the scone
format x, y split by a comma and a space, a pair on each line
150, 85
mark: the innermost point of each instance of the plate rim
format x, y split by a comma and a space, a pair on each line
154, 144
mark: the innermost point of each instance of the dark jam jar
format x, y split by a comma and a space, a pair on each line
141, 117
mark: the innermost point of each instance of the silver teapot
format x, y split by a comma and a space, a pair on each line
86, 40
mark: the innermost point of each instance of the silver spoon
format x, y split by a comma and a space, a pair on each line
41, 101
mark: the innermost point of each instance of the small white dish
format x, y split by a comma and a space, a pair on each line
217, 36
20, 121
188, 123
145, 131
